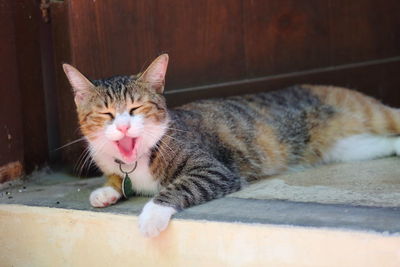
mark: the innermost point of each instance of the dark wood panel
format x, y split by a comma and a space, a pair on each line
204, 39
50, 92
198, 35
11, 138
242, 38
27, 26
286, 35
380, 80
364, 30
68, 126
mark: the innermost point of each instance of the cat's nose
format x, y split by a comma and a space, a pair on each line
123, 128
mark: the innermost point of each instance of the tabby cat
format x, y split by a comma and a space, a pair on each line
209, 148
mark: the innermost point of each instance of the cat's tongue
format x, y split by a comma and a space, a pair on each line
126, 146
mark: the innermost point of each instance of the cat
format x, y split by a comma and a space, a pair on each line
209, 148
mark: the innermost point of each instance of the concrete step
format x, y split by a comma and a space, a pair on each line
336, 215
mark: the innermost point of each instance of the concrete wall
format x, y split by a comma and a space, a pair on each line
35, 236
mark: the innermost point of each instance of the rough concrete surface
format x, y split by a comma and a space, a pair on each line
374, 183
360, 196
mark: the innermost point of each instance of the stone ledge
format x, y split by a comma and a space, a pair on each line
357, 196
346, 212
40, 236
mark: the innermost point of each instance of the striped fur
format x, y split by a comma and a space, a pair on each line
221, 144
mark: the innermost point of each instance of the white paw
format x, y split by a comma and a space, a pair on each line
154, 219
104, 196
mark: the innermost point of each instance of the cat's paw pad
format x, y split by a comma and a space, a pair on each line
104, 196
154, 219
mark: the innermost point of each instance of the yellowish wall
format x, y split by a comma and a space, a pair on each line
35, 236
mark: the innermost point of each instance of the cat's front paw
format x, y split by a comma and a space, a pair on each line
104, 196
154, 219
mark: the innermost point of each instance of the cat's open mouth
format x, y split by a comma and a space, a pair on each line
126, 147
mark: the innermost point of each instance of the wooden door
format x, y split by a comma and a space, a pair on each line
220, 48
23, 117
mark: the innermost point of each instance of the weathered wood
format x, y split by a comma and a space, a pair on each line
220, 48
11, 137
378, 79
28, 52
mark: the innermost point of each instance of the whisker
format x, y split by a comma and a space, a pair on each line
81, 156
167, 135
76, 141
147, 132
81, 159
71, 143
92, 153
84, 164
179, 141
160, 149
169, 128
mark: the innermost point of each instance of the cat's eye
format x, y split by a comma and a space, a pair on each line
109, 114
133, 109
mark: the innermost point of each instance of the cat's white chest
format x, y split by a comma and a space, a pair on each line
142, 179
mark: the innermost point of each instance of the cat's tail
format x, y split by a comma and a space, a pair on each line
381, 119
361, 112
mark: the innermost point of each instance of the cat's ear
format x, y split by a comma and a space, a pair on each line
83, 88
154, 75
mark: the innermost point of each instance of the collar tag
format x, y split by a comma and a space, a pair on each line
126, 186
127, 189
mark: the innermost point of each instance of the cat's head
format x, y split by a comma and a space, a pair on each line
122, 117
